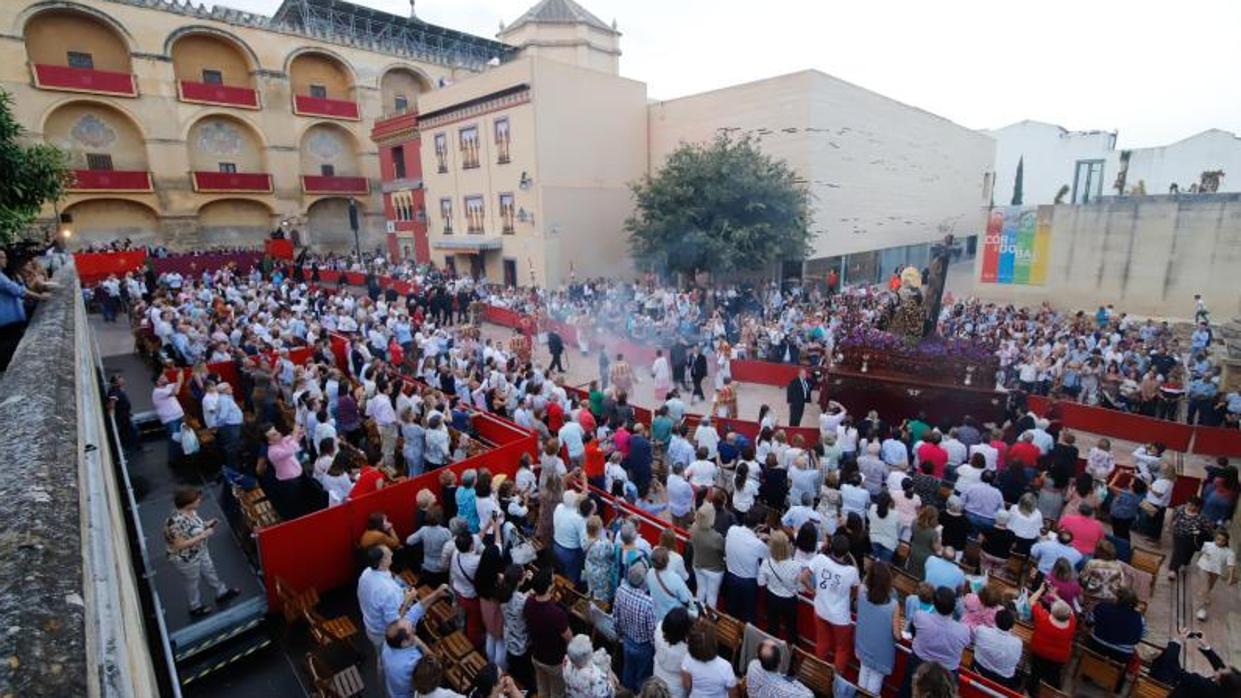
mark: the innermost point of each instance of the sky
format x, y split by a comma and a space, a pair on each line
1156, 72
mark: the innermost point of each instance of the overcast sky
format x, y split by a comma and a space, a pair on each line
1155, 71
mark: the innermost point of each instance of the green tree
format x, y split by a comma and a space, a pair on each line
722, 207
1017, 181
32, 175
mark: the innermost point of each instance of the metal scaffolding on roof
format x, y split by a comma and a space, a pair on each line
337, 20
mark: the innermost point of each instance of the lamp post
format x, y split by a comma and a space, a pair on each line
353, 223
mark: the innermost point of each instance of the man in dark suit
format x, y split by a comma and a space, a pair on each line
555, 345
677, 359
798, 394
697, 372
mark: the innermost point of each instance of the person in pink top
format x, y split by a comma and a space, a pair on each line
1086, 529
1001, 448
282, 456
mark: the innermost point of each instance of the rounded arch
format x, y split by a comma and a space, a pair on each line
252, 58
322, 68
86, 127
402, 83
54, 30
327, 222
234, 221
324, 51
328, 143
217, 137
88, 100
103, 219
23, 18
202, 55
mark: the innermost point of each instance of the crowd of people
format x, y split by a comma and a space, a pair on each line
840, 518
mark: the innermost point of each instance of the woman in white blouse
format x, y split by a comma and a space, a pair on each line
779, 573
670, 649
1026, 522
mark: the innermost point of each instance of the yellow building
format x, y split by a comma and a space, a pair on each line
527, 166
199, 127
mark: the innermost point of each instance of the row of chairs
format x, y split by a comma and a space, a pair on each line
256, 509
333, 662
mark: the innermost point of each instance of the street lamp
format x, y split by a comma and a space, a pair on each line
353, 223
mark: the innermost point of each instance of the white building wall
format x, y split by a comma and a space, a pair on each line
882, 174
1049, 156
1184, 162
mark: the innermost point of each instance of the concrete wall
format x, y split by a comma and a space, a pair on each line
576, 44
1184, 162
1147, 255
1049, 155
592, 137
882, 174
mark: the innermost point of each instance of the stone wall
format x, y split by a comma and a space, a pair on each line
69, 606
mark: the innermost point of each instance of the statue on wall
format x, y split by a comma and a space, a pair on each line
1209, 181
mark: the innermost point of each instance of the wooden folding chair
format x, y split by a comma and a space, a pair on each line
728, 633
456, 646
1015, 567
294, 603
904, 583
1099, 670
327, 630
1146, 687
332, 683
1046, 690
901, 555
1149, 562
814, 673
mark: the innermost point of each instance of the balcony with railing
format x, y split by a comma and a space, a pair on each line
244, 182
306, 105
221, 95
334, 184
62, 77
111, 181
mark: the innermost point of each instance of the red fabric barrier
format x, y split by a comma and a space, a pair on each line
763, 372
504, 317
355, 278
1185, 487
94, 267
340, 350
313, 551
195, 264
317, 550
1120, 425
1214, 441
329, 276
280, 249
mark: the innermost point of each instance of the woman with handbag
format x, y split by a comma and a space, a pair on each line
780, 575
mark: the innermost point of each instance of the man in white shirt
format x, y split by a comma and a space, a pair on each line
168, 409
743, 552
380, 409
989, 453
380, 596
957, 451
702, 472
894, 451
572, 436
832, 580
1042, 438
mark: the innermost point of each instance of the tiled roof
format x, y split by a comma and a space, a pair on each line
560, 12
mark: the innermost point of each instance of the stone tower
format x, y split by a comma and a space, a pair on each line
564, 31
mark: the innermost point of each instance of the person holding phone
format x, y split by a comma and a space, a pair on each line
186, 536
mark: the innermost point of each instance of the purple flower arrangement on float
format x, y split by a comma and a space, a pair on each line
955, 358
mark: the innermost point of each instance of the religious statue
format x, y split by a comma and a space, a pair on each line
907, 317
933, 296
